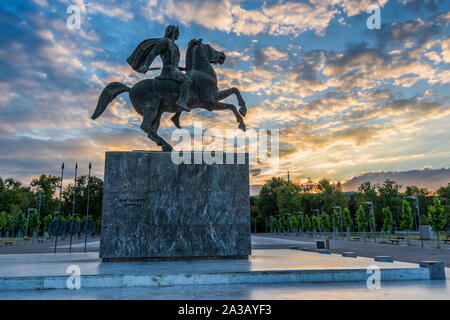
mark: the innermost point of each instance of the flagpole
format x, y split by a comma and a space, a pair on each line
73, 206
87, 208
59, 205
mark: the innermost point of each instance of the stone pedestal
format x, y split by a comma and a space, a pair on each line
156, 209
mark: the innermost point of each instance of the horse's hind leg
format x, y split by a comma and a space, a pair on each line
150, 124
149, 115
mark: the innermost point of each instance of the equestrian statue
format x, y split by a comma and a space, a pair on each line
173, 91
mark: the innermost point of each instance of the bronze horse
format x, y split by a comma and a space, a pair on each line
152, 97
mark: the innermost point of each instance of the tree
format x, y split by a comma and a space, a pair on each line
18, 219
424, 219
47, 220
388, 196
98, 225
361, 219
9, 224
307, 223
294, 223
81, 192
270, 223
336, 221
447, 215
34, 223
315, 223
444, 193
2, 220
288, 199
388, 222
347, 219
437, 218
329, 195
46, 185
325, 223
407, 218
14, 193
254, 212
424, 200
277, 225
267, 200
372, 222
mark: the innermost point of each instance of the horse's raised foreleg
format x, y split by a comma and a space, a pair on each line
223, 94
229, 106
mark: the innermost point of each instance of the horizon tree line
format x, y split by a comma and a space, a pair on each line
16, 199
283, 203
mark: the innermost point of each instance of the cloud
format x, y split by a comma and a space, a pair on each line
288, 18
354, 7
121, 13
425, 178
210, 14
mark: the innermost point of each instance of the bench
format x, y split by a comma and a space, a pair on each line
446, 239
396, 239
356, 238
9, 243
26, 238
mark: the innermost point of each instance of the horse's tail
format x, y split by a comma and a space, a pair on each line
110, 92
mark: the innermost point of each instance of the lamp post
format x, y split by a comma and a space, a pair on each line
39, 210
290, 222
73, 203
340, 214
266, 224
418, 214
56, 216
28, 219
373, 219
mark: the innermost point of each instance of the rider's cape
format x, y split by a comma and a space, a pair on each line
137, 58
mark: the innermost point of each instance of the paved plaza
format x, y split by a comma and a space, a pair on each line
49, 264
365, 248
393, 290
273, 271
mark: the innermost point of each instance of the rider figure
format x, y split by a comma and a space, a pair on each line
146, 52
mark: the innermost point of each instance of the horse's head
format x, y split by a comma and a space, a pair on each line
213, 56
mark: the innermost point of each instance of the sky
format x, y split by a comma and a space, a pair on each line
349, 101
